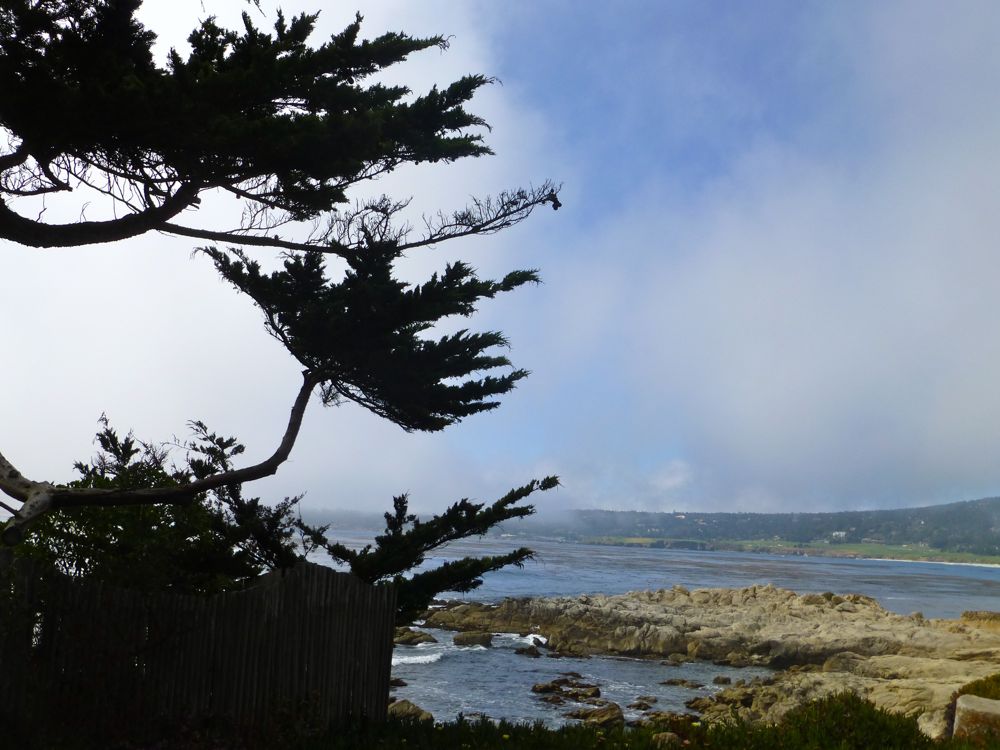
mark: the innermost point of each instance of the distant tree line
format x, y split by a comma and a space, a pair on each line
972, 526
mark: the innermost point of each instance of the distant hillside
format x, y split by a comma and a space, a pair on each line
344, 519
972, 526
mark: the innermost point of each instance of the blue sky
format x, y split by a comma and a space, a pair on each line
680, 86
772, 285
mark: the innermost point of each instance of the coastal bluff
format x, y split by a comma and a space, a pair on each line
819, 643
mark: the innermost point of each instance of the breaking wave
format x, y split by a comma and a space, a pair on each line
416, 659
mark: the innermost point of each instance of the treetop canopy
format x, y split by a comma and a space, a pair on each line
285, 128
263, 115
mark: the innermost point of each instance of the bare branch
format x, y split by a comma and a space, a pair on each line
31, 192
261, 198
16, 158
24, 231
13, 483
40, 497
57, 183
255, 240
486, 216
66, 497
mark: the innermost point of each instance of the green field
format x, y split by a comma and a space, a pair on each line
820, 549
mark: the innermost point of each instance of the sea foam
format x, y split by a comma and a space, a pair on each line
417, 659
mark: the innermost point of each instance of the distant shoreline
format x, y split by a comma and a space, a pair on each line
785, 549
928, 560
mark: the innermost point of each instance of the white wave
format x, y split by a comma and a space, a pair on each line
422, 659
530, 638
623, 687
516, 639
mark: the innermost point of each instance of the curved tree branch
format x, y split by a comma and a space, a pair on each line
487, 216
16, 157
24, 231
41, 497
13, 483
251, 239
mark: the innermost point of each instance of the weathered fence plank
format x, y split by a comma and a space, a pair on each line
308, 639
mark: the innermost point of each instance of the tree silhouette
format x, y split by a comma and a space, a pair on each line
287, 129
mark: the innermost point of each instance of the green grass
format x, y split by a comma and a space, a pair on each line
784, 547
863, 549
623, 541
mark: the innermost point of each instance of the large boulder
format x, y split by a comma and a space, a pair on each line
977, 718
473, 639
609, 715
411, 637
408, 711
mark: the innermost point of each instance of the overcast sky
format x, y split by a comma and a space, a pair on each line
774, 284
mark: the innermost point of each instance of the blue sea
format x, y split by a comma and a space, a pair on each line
448, 680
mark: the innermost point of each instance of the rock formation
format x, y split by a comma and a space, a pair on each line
404, 709
411, 637
473, 639
824, 642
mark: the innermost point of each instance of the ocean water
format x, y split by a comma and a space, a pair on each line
448, 680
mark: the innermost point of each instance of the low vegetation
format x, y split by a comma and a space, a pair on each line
869, 550
841, 722
874, 550
962, 529
222, 540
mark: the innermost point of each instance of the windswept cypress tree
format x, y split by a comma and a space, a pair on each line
287, 128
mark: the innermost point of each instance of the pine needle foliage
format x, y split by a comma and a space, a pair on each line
219, 541
407, 540
83, 94
362, 337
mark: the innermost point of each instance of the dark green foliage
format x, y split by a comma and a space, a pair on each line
987, 687
218, 541
81, 91
840, 722
483, 735
955, 527
362, 336
221, 540
407, 540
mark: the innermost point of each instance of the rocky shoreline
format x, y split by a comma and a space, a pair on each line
818, 644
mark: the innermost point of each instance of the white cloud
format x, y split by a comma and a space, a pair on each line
827, 333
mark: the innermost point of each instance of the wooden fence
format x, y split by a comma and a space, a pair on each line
310, 641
